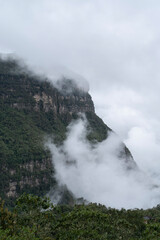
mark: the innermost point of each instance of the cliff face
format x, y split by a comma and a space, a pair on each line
30, 109
27, 93
30, 179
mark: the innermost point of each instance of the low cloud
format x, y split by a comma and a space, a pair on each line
68, 85
97, 174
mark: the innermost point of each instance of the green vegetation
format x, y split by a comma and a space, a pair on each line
21, 143
36, 218
100, 130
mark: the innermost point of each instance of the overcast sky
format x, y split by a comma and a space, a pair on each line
113, 44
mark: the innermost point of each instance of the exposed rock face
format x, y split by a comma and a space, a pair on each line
12, 190
31, 170
42, 96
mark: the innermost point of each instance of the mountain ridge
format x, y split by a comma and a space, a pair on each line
31, 109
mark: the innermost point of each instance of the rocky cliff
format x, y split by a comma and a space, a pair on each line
30, 109
23, 92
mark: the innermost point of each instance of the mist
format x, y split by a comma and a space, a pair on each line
95, 173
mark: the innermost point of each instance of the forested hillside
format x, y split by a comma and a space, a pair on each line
35, 218
31, 110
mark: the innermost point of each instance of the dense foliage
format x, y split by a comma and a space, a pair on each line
36, 218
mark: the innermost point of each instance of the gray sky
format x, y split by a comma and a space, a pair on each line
113, 44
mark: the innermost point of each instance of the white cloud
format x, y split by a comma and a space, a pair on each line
98, 175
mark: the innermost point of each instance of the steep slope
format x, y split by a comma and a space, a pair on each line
30, 109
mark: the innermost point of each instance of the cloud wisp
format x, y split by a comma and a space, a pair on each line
97, 175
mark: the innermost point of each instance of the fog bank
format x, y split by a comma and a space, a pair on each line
97, 175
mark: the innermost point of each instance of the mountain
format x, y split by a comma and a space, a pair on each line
31, 109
